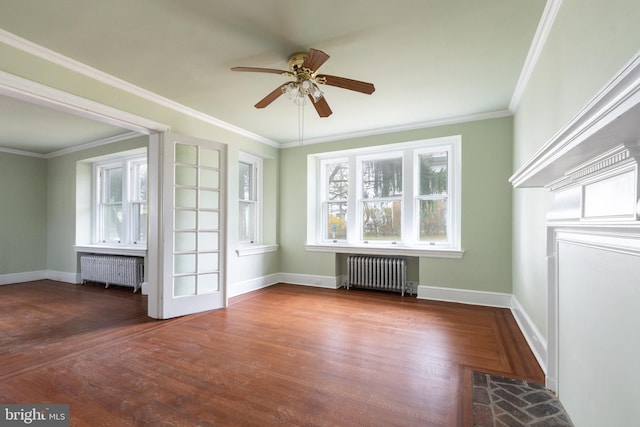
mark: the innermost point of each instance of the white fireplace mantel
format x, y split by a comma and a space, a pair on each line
591, 168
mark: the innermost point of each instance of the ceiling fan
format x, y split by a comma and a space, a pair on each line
303, 67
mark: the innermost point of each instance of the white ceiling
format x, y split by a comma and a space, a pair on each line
430, 60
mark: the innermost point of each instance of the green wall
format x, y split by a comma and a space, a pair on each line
589, 43
486, 207
23, 214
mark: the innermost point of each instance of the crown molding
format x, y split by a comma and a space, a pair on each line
402, 128
537, 44
93, 144
49, 55
22, 153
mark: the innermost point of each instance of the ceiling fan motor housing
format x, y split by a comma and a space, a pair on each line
296, 60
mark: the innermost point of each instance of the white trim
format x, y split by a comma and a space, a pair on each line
613, 108
386, 250
61, 276
402, 128
74, 149
140, 251
532, 334
539, 39
93, 144
46, 96
620, 241
29, 276
255, 250
251, 285
329, 282
22, 153
465, 296
78, 67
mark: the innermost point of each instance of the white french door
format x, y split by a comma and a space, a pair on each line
191, 256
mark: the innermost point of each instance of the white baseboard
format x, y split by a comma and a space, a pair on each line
61, 276
30, 276
535, 339
239, 288
329, 282
465, 296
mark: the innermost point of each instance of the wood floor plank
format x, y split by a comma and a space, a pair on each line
284, 355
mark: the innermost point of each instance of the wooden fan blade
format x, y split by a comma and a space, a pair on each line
314, 60
321, 106
345, 83
262, 70
271, 97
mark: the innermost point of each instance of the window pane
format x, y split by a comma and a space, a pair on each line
139, 222
209, 178
185, 220
336, 220
433, 173
184, 242
209, 158
208, 220
208, 263
113, 185
185, 198
184, 264
381, 178
433, 220
381, 220
140, 182
186, 176
208, 283
185, 285
246, 182
337, 181
112, 223
247, 222
186, 154
208, 241
209, 199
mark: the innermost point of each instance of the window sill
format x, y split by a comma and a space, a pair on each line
255, 249
386, 250
140, 251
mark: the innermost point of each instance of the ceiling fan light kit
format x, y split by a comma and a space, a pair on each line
303, 67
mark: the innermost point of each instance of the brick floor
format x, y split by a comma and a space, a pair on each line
509, 402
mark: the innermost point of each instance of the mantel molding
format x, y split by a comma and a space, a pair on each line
608, 121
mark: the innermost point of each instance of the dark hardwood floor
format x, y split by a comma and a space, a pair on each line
286, 355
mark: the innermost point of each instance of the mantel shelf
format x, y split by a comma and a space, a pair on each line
611, 119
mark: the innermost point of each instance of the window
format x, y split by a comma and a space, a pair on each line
399, 197
120, 213
249, 192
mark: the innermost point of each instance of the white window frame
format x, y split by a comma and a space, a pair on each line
127, 164
256, 167
410, 243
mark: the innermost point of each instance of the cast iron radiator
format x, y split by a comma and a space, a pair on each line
377, 272
112, 270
